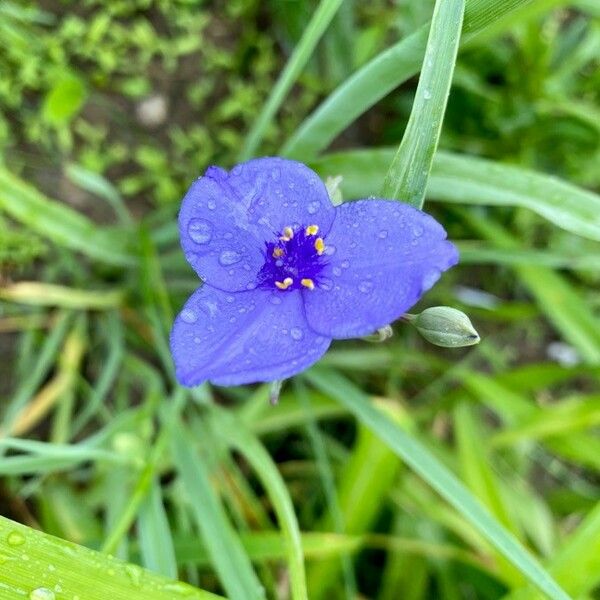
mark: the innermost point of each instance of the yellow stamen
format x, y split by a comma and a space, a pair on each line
285, 284
312, 230
288, 234
308, 283
277, 252
319, 246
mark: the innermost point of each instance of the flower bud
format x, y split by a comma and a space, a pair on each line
445, 326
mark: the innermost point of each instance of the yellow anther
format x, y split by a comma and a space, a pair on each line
277, 252
319, 246
288, 234
308, 283
312, 230
285, 284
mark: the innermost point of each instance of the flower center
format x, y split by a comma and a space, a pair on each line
294, 261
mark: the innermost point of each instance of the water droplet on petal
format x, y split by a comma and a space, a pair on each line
229, 257
211, 204
383, 234
41, 593
365, 287
229, 299
200, 231
329, 250
228, 235
296, 333
417, 231
188, 315
275, 174
251, 286
337, 271
313, 207
345, 264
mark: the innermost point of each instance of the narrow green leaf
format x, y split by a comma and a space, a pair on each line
463, 179
36, 565
311, 36
225, 549
383, 74
156, 543
438, 477
59, 223
238, 437
407, 176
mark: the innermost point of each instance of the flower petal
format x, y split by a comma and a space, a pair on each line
216, 237
278, 193
383, 256
232, 339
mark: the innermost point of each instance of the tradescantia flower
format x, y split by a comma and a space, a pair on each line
285, 271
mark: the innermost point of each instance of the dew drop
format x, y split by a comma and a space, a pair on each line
229, 299
251, 286
275, 174
329, 250
134, 573
41, 593
200, 231
417, 231
365, 287
211, 204
345, 264
337, 271
383, 234
312, 207
229, 257
296, 333
279, 263
232, 320
15, 539
197, 340
188, 315
427, 94
228, 235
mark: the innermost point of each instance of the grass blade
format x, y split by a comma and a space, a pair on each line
52, 564
463, 179
438, 477
380, 76
407, 176
225, 549
311, 36
243, 441
59, 223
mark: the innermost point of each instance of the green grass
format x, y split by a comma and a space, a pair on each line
389, 470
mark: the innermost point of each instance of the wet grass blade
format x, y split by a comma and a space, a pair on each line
303, 51
463, 179
407, 176
37, 565
427, 466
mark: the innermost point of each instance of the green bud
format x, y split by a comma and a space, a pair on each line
445, 326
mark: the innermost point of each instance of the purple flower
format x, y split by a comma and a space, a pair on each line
285, 271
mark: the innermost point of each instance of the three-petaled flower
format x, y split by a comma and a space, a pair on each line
285, 271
